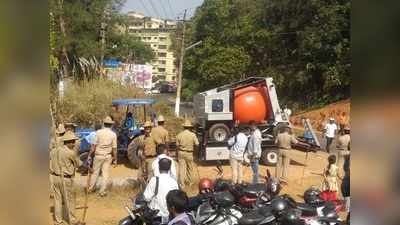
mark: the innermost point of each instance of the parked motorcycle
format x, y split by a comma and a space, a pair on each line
284, 210
218, 210
249, 196
140, 213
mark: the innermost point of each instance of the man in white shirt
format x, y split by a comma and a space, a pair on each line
330, 130
254, 149
161, 154
237, 145
158, 188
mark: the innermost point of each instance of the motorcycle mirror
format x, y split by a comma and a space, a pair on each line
268, 174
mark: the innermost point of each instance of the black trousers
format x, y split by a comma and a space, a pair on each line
328, 144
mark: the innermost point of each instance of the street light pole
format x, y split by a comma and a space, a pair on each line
178, 89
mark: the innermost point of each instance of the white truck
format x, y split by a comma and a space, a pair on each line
218, 110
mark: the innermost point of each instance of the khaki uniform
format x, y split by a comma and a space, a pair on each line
160, 135
149, 147
106, 141
284, 141
343, 146
66, 160
188, 172
54, 143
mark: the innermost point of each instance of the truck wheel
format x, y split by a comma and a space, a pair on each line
132, 154
269, 157
219, 132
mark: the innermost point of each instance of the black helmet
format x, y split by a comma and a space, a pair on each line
312, 197
279, 205
290, 217
273, 186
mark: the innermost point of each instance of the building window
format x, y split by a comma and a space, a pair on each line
162, 54
163, 38
161, 69
163, 62
162, 47
154, 37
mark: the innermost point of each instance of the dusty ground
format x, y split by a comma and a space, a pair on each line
109, 210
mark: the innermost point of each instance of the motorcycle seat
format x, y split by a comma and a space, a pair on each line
307, 210
265, 211
254, 189
251, 218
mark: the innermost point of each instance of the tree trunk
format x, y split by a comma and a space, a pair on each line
64, 54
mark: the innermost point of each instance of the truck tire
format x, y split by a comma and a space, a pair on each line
132, 154
269, 157
219, 132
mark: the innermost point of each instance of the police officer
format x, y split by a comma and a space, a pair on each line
72, 127
57, 140
284, 141
63, 163
105, 153
149, 149
159, 133
343, 145
186, 142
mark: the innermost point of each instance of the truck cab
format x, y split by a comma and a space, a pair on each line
218, 110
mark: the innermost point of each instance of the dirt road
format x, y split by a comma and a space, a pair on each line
109, 210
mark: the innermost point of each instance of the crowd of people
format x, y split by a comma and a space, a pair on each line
157, 167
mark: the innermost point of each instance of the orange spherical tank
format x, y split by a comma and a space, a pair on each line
250, 104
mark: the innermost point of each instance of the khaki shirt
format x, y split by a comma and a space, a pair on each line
160, 135
105, 141
186, 140
343, 142
284, 140
68, 160
149, 146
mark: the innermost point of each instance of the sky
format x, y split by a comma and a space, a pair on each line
165, 9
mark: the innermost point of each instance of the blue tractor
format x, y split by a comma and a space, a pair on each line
137, 112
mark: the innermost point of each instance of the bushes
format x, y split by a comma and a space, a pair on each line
88, 102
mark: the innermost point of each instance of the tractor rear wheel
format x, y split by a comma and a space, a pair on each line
133, 154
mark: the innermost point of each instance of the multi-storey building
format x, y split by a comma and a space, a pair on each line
156, 34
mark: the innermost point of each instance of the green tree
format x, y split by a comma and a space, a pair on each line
77, 34
302, 44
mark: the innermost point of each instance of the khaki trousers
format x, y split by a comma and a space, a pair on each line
188, 172
237, 170
282, 168
103, 163
59, 197
148, 164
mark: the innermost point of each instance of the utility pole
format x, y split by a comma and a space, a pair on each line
103, 34
178, 89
